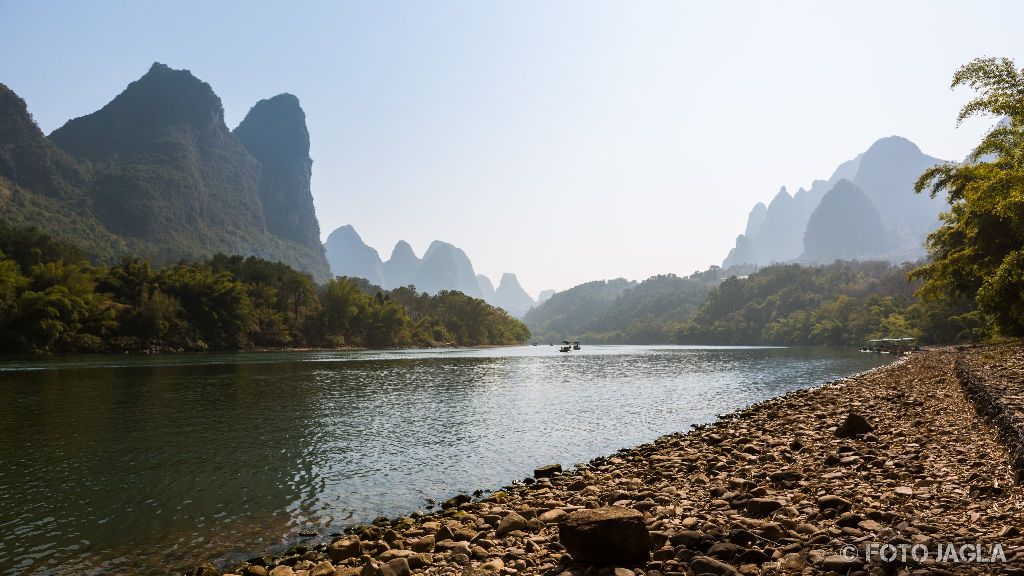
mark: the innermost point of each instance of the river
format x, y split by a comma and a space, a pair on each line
155, 464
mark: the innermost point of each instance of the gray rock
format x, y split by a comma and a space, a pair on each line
849, 520
853, 426
833, 502
761, 507
688, 538
373, 568
511, 523
424, 544
443, 533
704, 565
841, 565
456, 501
324, 568
344, 548
552, 516
548, 471
724, 550
400, 566
606, 536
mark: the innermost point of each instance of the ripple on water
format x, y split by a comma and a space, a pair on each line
142, 464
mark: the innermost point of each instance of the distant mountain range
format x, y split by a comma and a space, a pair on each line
443, 267
867, 210
156, 173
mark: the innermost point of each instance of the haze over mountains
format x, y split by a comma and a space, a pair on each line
876, 187
156, 173
866, 210
443, 267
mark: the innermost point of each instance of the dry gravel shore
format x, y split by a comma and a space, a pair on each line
768, 490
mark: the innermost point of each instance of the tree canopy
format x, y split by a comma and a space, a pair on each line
841, 304
978, 251
53, 300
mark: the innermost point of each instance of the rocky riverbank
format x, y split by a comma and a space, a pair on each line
888, 472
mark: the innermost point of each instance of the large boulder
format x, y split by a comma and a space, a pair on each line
547, 471
606, 536
344, 548
511, 523
762, 507
854, 425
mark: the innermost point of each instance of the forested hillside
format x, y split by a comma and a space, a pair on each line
53, 300
844, 303
618, 311
157, 174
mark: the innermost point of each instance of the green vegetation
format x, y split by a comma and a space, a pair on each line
114, 188
53, 300
844, 303
619, 311
972, 287
978, 252
156, 174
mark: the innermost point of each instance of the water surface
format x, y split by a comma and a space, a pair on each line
140, 464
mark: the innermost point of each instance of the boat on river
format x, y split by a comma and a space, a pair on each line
891, 346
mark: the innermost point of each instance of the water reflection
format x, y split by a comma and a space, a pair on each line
136, 464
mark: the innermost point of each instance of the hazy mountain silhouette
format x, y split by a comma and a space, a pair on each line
844, 226
446, 267
402, 267
755, 219
348, 255
443, 267
885, 174
545, 295
511, 296
486, 287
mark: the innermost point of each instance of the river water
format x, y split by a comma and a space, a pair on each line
154, 464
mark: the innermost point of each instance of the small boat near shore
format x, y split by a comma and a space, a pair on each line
891, 346
569, 346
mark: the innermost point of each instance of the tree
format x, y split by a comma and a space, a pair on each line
978, 251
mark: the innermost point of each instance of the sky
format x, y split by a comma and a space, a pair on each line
565, 141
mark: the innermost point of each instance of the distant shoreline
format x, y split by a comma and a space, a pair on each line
261, 349
172, 352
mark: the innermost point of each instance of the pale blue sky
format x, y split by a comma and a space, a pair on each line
565, 141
